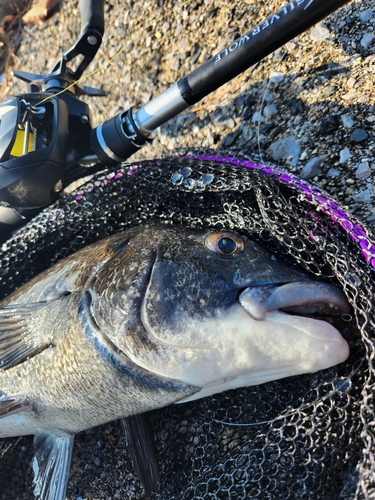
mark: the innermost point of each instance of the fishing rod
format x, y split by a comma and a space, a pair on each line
46, 136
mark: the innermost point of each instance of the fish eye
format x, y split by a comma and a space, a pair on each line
224, 243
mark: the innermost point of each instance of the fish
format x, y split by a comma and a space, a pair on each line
154, 315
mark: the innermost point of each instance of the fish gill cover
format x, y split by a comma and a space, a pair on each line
305, 437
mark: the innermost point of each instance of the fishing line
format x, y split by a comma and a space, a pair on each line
109, 61
289, 412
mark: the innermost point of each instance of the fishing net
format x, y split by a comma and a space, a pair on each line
307, 437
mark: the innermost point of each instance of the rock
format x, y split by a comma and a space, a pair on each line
269, 110
347, 121
329, 90
247, 113
276, 77
362, 197
333, 172
358, 135
264, 128
311, 169
257, 117
345, 155
329, 124
266, 96
367, 40
296, 106
196, 53
286, 149
320, 33
224, 122
230, 139
363, 171
351, 82
365, 15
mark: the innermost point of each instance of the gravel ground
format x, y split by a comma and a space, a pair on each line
309, 107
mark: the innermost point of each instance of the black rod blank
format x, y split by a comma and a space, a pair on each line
285, 24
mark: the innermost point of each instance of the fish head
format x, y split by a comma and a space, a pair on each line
214, 309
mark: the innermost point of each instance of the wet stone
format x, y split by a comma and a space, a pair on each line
358, 135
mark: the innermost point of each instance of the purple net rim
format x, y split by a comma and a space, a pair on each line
326, 204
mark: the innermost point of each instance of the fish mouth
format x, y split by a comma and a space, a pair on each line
307, 299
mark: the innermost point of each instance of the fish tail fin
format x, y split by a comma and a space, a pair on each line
51, 465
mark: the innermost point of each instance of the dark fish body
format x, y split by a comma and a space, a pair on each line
146, 318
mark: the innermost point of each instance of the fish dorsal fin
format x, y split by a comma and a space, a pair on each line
11, 405
140, 440
19, 341
51, 465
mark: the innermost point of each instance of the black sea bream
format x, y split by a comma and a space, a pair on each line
150, 317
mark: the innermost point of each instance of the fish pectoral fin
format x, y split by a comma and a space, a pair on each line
19, 338
10, 405
51, 465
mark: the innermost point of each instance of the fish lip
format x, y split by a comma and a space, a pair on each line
307, 299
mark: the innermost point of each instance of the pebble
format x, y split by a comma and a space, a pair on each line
224, 122
276, 77
329, 124
269, 110
333, 172
257, 117
351, 82
345, 155
362, 197
286, 149
311, 169
320, 33
247, 113
358, 135
367, 40
230, 139
363, 171
267, 96
347, 121
365, 15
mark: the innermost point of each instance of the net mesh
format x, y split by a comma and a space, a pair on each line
308, 437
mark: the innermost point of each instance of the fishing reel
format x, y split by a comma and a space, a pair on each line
38, 127
46, 136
